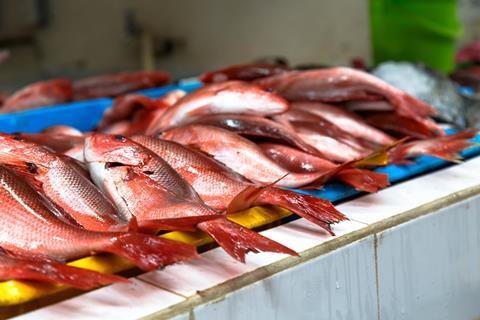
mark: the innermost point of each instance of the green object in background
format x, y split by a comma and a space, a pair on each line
415, 30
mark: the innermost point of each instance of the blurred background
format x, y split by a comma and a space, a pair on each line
41, 39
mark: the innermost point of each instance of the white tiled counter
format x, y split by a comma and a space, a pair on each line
411, 251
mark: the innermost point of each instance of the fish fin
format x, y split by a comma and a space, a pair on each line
26, 171
53, 271
246, 198
237, 240
443, 148
150, 252
379, 157
316, 210
176, 224
364, 180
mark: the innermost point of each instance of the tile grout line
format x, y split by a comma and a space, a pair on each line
377, 277
160, 287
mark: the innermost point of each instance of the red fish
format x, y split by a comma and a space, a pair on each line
345, 120
27, 226
254, 126
226, 97
242, 156
112, 85
330, 141
245, 72
346, 84
40, 94
143, 184
298, 161
24, 267
62, 182
446, 147
218, 186
404, 126
63, 130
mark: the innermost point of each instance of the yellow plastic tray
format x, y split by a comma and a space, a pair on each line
17, 292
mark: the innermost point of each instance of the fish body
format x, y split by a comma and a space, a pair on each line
254, 126
40, 94
112, 85
226, 97
242, 156
219, 186
39, 268
245, 72
146, 179
345, 120
28, 226
63, 181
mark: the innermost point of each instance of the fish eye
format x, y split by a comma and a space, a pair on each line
119, 137
32, 167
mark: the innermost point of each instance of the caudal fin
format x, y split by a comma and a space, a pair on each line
238, 241
363, 180
150, 252
446, 148
318, 211
51, 271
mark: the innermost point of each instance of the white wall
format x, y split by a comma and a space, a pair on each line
87, 36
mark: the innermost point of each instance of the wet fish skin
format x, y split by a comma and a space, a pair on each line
39, 94
240, 155
110, 85
254, 126
345, 120
62, 181
145, 179
58, 240
27, 267
244, 72
225, 97
219, 186
345, 84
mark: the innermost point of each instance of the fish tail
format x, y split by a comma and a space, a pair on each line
316, 210
445, 148
363, 180
150, 252
237, 240
52, 271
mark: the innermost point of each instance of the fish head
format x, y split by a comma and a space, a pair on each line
18, 152
107, 148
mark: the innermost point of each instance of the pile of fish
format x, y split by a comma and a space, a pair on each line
187, 161
57, 91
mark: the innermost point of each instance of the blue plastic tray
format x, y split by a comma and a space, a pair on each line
84, 115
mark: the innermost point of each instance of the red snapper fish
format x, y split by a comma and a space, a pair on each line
16, 266
144, 185
244, 72
111, 85
27, 226
224, 189
225, 97
40, 94
345, 84
243, 156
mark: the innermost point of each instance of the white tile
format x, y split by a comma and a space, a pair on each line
413, 193
217, 267
119, 301
338, 285
429, 267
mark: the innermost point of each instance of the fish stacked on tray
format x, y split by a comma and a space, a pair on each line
57, 91
186, 161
